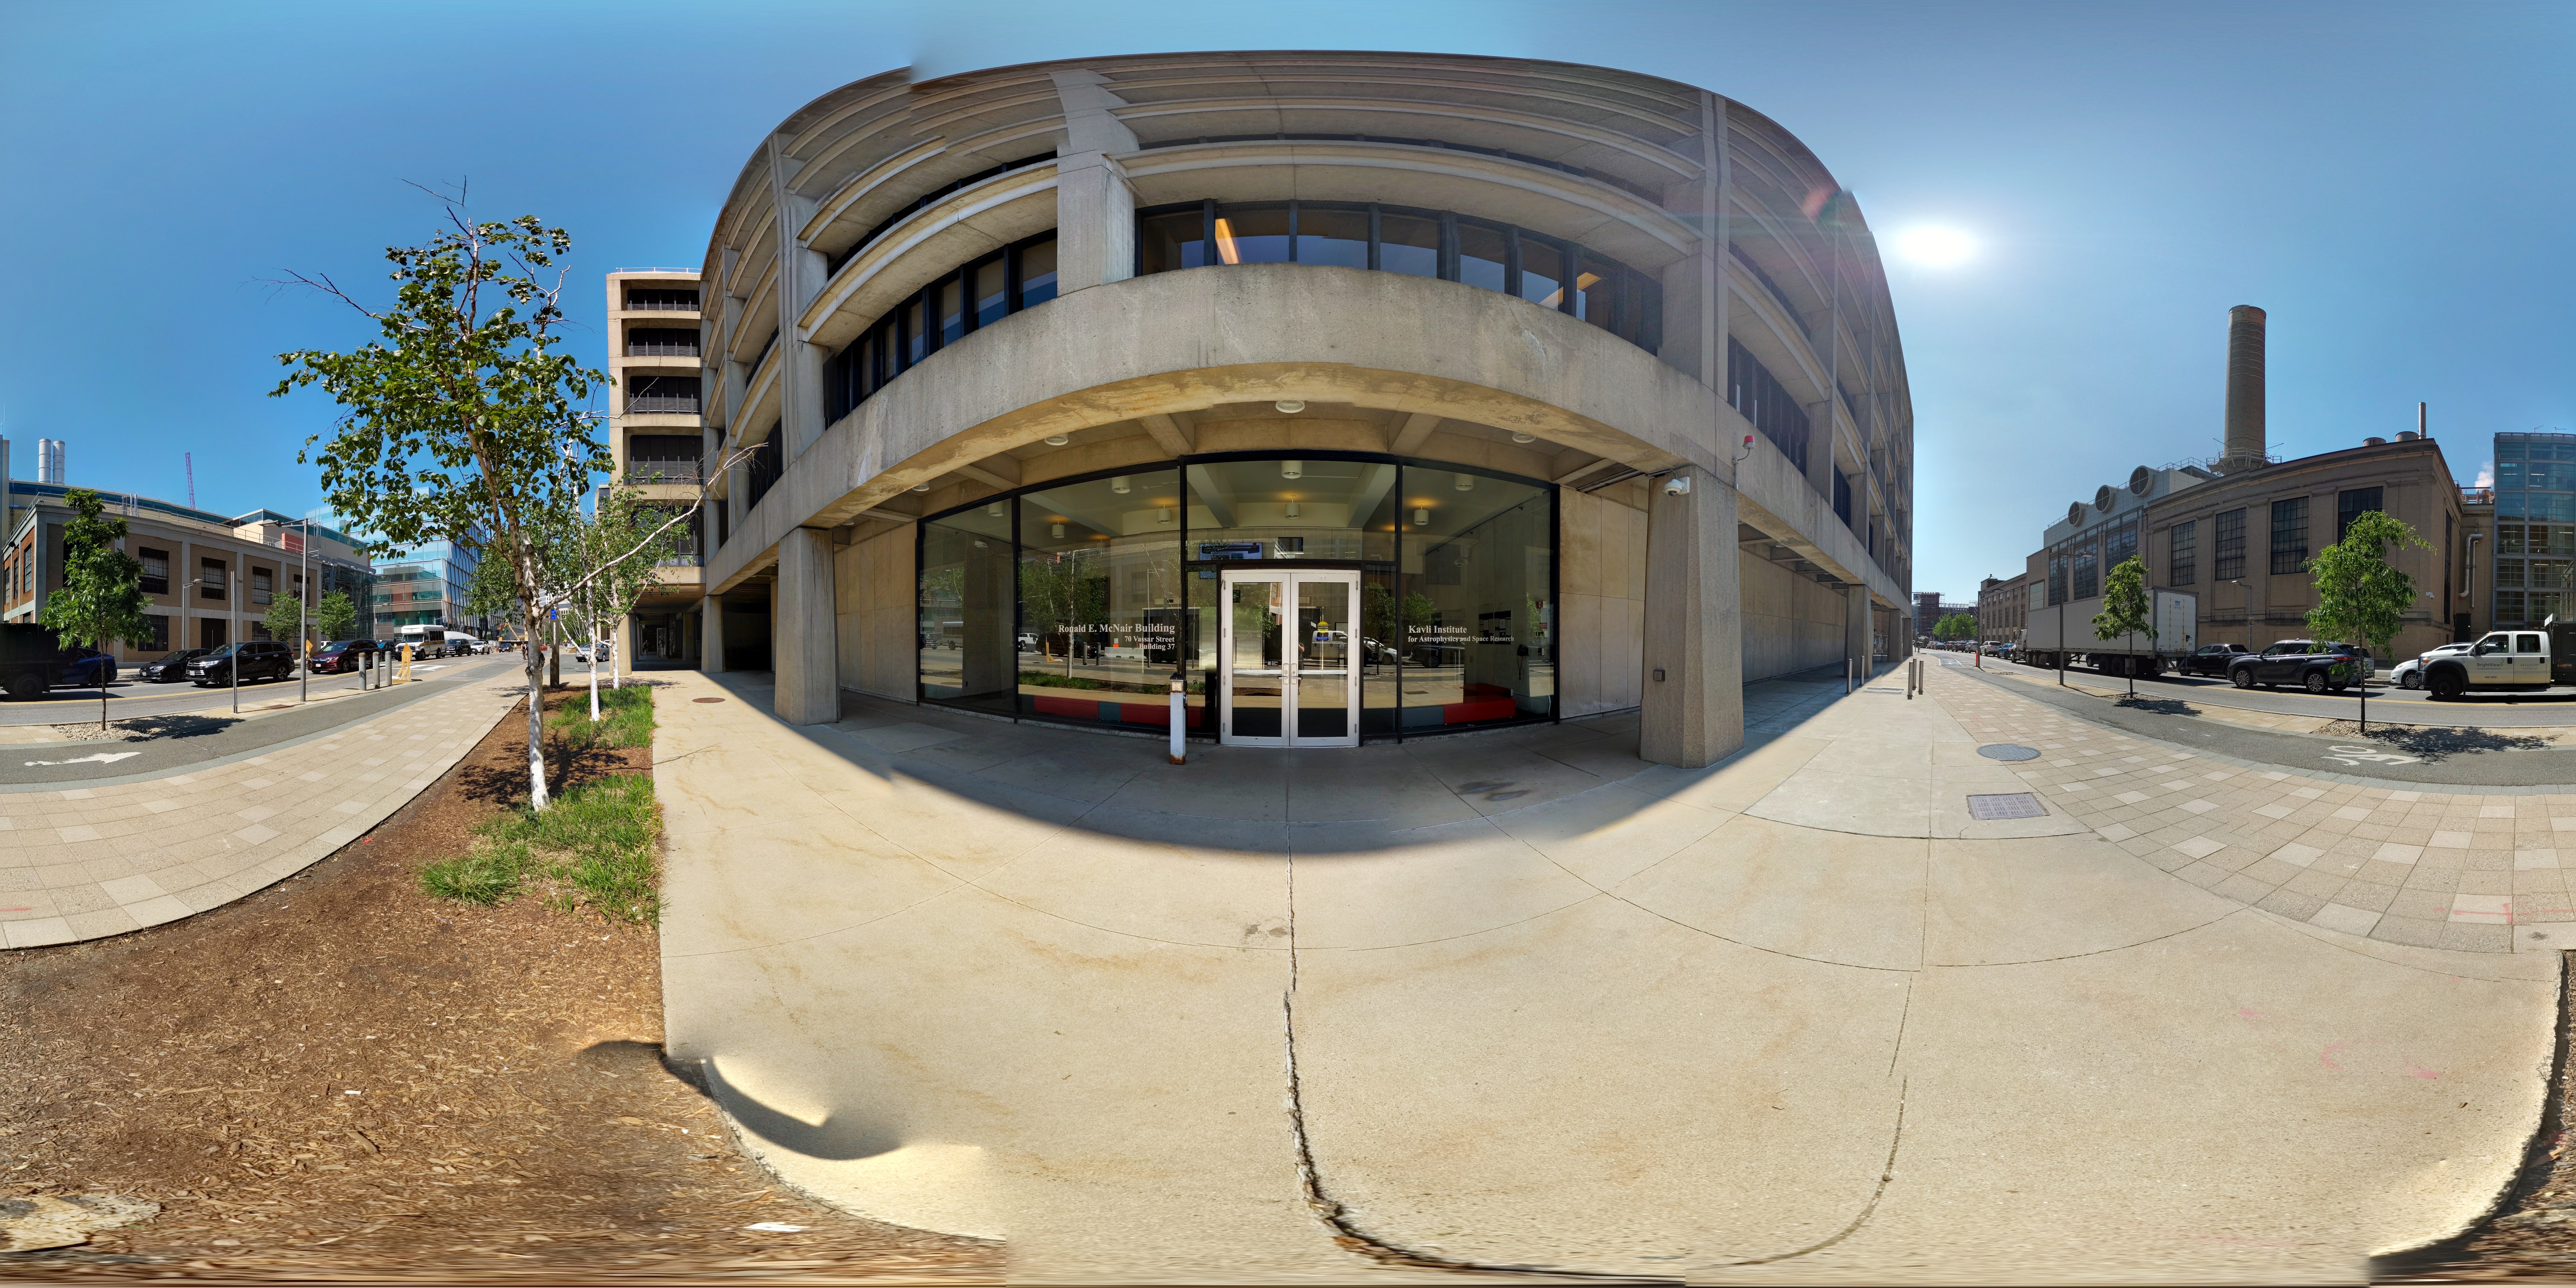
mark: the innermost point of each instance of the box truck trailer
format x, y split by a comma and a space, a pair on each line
2062, 635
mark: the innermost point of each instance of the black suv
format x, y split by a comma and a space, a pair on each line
2315, 665
2210, 659
258, 659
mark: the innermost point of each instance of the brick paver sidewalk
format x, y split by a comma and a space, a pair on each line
88, 862
2474, 869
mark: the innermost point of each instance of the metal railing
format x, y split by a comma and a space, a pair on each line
663, 404
661, 470
660, 349
661, 302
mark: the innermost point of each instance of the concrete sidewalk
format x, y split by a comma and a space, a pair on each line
89, 861
1520, 1000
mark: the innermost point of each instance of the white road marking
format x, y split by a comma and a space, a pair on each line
2356, 755
102, 758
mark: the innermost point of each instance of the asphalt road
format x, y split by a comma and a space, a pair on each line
2410, 706
129, 697
197, 737
2461, 757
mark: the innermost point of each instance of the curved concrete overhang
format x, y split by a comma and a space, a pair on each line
1611, 220
1184, 341
1530, 132
930, 244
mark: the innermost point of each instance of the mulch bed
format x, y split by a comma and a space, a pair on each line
342, 1079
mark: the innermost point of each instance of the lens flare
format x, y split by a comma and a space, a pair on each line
1935, 247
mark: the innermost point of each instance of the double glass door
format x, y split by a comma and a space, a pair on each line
1287, 648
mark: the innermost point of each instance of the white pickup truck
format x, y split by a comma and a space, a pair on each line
2520, 660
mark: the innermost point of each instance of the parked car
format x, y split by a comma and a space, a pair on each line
2210, 659
2319, 666
169, 668
2410, 673
85, 668
342, 655
258, 660
31, 659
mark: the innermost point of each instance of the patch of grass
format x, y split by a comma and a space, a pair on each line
593, 846
625, 719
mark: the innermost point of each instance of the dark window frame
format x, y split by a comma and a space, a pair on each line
882, 351
2353, 503
2228, 550
2289, 535
2182, 553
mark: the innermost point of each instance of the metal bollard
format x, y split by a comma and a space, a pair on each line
1180, 715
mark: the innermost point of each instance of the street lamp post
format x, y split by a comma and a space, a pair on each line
233, 597
303, 610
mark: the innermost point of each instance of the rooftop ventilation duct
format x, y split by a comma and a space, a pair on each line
2075, 515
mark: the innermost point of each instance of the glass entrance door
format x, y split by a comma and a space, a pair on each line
1290, 677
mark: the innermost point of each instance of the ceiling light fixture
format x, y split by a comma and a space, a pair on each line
1119, 485
1057, 440
1292, 469
920, 487
1290, 406
1163, 515
1055, 530
1465, 483
1422, 518
994, 510
1523, 438
1294, 511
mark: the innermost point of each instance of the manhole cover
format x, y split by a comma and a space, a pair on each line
720, 700
2008, 751
2007, 805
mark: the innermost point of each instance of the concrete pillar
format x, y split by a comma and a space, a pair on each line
1856, 624
804, 642
1095, 207
711, 623
1694, 648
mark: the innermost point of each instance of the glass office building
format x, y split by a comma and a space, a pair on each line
2535, 545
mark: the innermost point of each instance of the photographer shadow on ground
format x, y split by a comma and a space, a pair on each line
2435, 744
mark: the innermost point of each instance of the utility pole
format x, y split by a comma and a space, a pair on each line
233, 576
303, 612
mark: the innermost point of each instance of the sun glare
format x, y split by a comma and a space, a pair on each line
1936, 247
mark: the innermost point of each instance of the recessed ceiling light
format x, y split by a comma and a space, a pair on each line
1291, 406
920, 487
1292, 469
1523, 438
1057, 440
1119, 485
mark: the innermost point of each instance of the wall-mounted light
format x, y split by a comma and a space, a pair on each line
1163, 515
1290, 406
920, 487
1057, 440
994, 510
1119, 485
1465, 483
1293, 510
1292, 469
1422, 518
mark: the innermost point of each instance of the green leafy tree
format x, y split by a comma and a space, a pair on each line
615, 544
102, 599
2126, 608
335, 617
460, 416
285, 620
2359, 595
1956, 626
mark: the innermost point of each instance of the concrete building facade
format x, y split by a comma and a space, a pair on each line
210, 579
1365, 395
657, 436
2003, 608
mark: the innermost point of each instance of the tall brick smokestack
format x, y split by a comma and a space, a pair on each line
2244, 390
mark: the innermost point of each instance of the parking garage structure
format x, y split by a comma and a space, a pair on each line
1363, 395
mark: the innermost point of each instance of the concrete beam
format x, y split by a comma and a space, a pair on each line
1168, 433
1415, 431
999, 471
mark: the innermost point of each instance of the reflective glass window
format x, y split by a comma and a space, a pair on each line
965, 607
1596, 298
1100, 608
1332, 235
1292, 509
1037, 274
1475, 599
1408, 244
1482, 254
1167, 243
1252, 233
917, 344
951, 305
992, 296
1542, 271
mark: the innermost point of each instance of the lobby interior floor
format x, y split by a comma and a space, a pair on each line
1520, 1001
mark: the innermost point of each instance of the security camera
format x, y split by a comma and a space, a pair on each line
1677, 485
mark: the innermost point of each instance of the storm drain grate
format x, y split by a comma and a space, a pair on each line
1987, 809
2008, 751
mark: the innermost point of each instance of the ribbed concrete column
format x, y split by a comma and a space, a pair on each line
805, 643
711, 625
1095, 208
1856, 619
1694, 684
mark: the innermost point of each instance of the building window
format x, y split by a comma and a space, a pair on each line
2289, 535
1760, 398
2182, 554
261, 589
760, 470
1422, 243
1843, 497
662, 342
2087, 572
156, 570
661, 299
2056, 578
159, 642
2231, 545
2119, 544
210, 632
966, 299
2352, 505
662, 395
210, 580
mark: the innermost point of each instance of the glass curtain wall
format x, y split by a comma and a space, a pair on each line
2535, 543
1078, 601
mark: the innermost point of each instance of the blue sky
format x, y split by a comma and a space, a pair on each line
2392, 182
